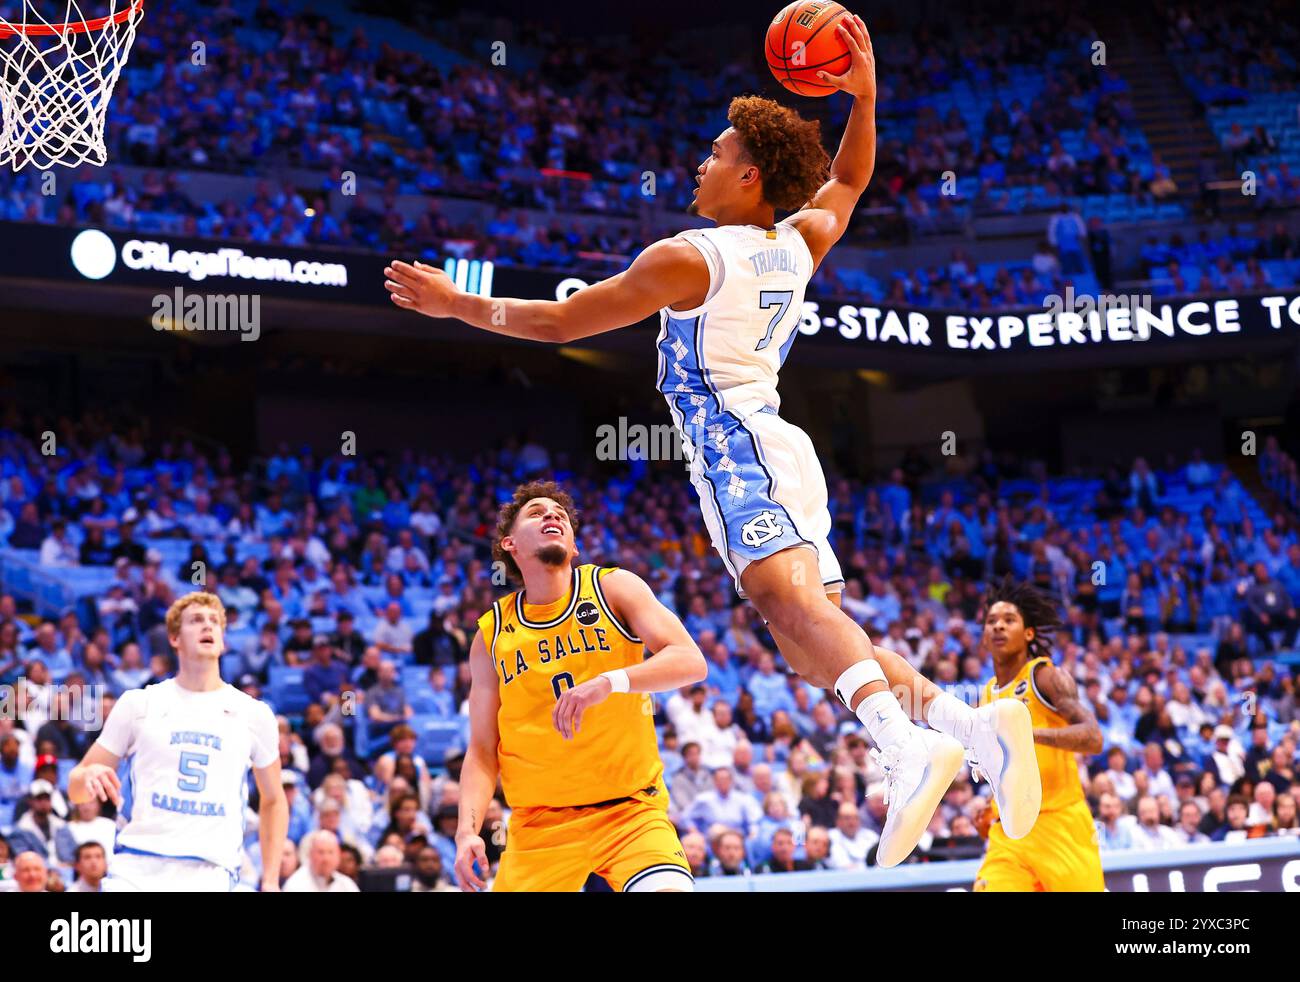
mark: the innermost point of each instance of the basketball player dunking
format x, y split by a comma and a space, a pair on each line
730, 300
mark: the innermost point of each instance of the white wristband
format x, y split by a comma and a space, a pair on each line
618, 680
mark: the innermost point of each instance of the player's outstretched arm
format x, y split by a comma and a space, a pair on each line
272, 822
96, 777
667, 273
824, 219
1083, 735
478, 774
676, 660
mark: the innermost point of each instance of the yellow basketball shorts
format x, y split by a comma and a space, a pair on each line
632, 845
1059, 855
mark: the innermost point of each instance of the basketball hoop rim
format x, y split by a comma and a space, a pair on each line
74, 27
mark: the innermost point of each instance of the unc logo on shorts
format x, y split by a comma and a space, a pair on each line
587, 613
762, 529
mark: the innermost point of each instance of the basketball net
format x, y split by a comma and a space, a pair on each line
56, 77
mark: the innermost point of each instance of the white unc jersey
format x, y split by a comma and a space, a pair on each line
760, 484
723, 357
188, 754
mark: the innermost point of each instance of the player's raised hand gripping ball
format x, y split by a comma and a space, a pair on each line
815, 47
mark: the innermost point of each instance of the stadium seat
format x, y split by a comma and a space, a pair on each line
421, 700
285, 691
434, 737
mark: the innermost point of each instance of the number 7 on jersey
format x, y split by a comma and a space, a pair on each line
768, 299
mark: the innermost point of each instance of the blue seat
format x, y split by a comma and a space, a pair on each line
434, 737
286, 692
421, 701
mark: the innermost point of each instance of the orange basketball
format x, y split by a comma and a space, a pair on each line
802, 41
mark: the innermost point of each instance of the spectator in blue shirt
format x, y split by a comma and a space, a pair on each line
1138, 603
723, 804
896, 497
873, 524
1113, 832
1218, 600
769, 688
699, 619
884, 604
977, 534
386, 704
1227, 499
323, 679
720, 611
300, 814
1198, 473
273, 517
776, 817
55, 656
1123, 717
724, 677
1144, 486
343, 595
944, 514
93, 667
441, 700
445, 820
802, 714
130, 673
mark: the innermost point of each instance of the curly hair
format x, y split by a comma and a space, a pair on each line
786, 148
1037, 610
198, 598
510, 510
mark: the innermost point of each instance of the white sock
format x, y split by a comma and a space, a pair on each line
886, 723
948, 714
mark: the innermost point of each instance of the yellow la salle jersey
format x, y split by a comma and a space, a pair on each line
540, 651
1058, 768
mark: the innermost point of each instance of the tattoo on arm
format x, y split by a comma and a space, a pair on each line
1083, 735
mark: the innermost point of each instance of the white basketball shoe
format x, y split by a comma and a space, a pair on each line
1002, 750
918, 773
